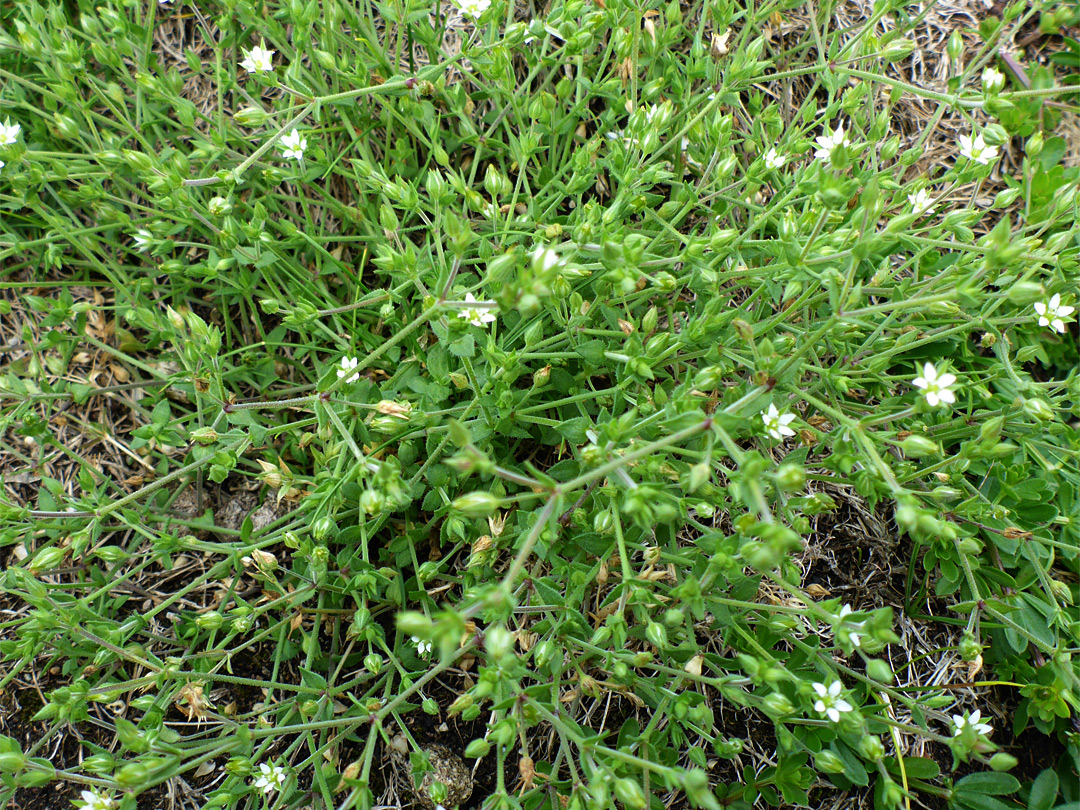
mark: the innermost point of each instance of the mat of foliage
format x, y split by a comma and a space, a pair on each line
596, 404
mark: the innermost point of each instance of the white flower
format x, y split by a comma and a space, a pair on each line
921, 202
258, 59
1053, 312
347, 365
95, 801
422, 647
294, 144
777, 423
544, 258
165, 2
144, 240
2, 164
975, 148
473, 8
935, 387
828, 143
993, 80
657, 114
829, 701
619, 135
973, 720
9, 133
856, 639
477, 316
774, 160
686, 146
271, 778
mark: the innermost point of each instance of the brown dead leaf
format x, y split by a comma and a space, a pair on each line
388, 407
974, 667
191, 701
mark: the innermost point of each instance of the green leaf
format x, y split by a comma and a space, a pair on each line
977, 801
464, 346
80, 392
916, 767
1033, 622
161, 413
459, 434
130, 736
853, 767
43, 773
989, 783
257, 433
312, 679
573, 430
593, 351
243, 418
629, 733
1044, 791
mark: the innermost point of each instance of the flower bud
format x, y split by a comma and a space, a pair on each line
955, 46
898, 49
48, 559
603, 522
1040, 409
12, 762
461, 704
945, 494
499, 642
323, 527
373, 502
496, 182
656, 634
476, 504
969, 647
879, 670
728, 748
892, 795
544, 653
872, 748
708, 378
790, 477
1003, 762
414, 623
250, 117
915, 446
828, 761
1023, 293
629, 792
777, 704
1034, 145
133, 775
477, 749
427, 571
992, 81
699, 476
723, 238
204, 436
373, 663
211, 620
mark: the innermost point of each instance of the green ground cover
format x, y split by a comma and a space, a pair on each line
589, 405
